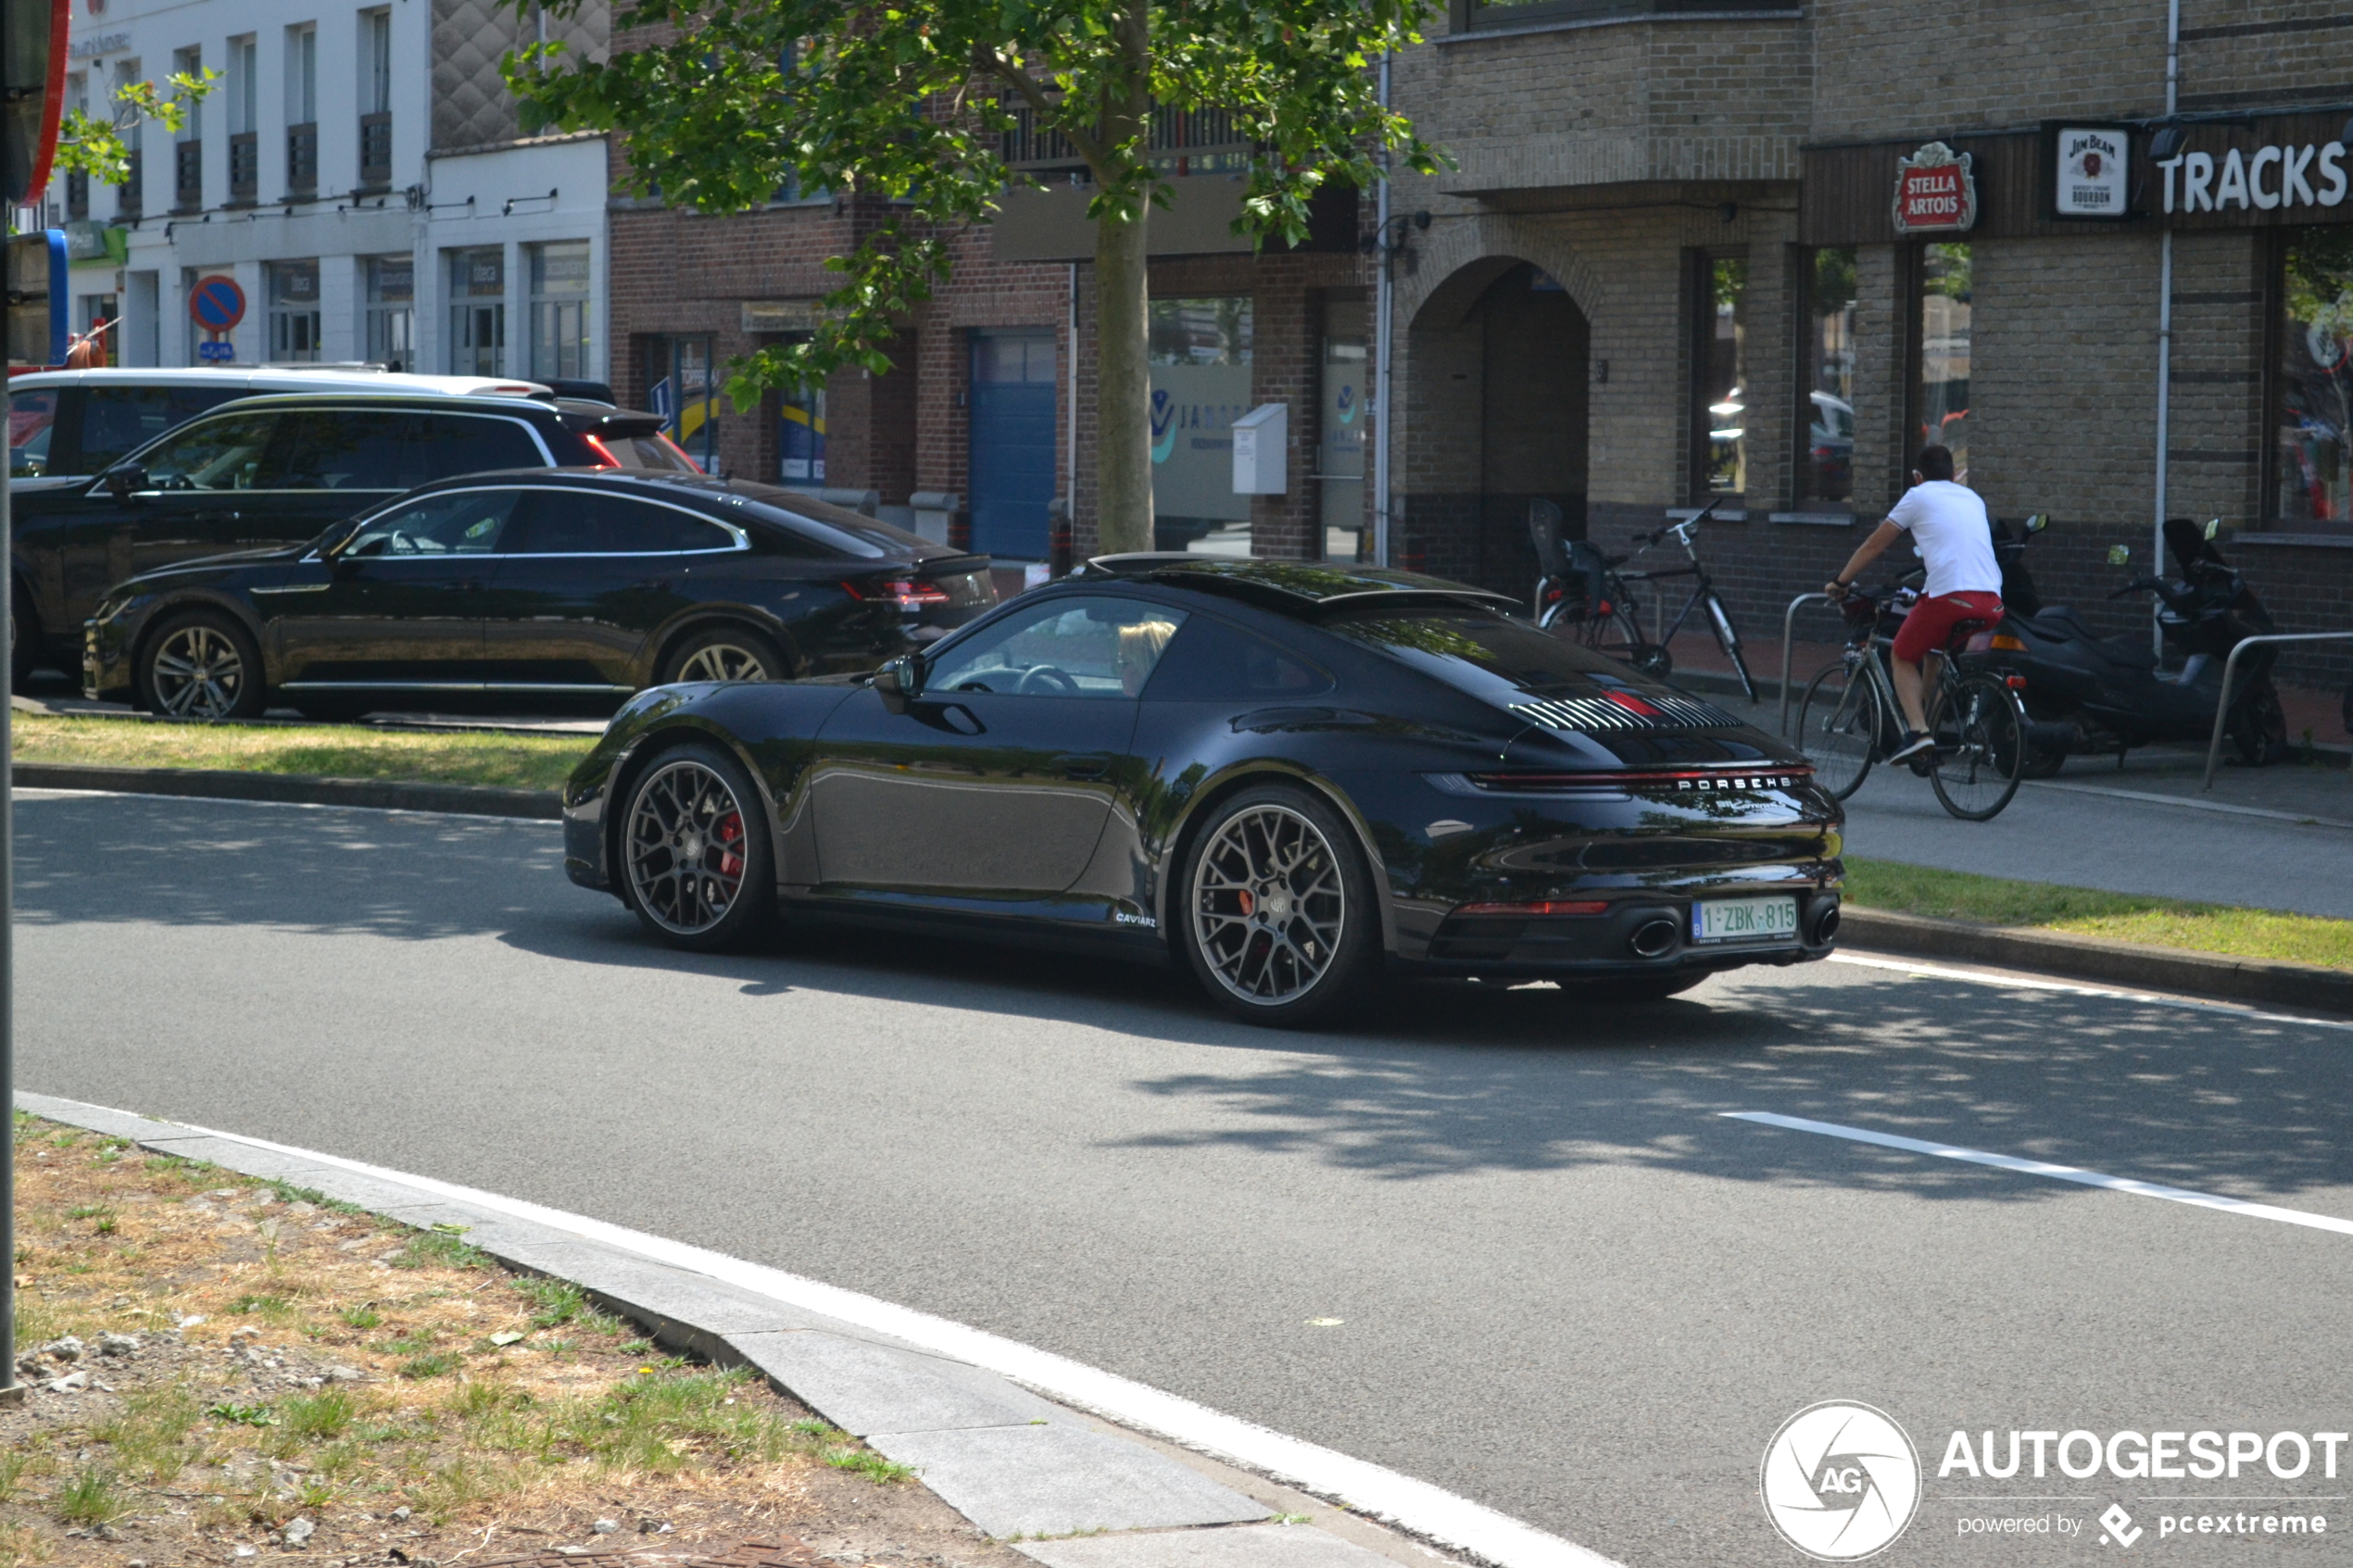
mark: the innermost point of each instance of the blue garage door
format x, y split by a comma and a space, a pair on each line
1012, 443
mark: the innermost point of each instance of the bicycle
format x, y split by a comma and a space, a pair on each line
1607, 617
1850, 719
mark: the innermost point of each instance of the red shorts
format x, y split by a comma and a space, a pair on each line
1930, 624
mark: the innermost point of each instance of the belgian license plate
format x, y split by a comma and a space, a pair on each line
1744, 920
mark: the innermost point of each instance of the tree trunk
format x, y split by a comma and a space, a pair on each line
1123, 389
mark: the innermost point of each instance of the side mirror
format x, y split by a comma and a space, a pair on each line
2118, 554
2038, 522
124, 481
899, 680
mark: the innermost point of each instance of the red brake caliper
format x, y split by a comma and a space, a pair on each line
731, 834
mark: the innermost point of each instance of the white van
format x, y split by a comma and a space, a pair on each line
68, 422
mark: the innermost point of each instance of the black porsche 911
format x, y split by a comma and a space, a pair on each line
1282, 776
567, 582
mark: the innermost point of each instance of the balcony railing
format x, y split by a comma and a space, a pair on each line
1182, 141
131, 201
244, 167
302, 158
188, 176
375, 152
77, 195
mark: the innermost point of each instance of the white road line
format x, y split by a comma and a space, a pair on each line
2301, 817
1415, 1505
2076, 988
2057, 1172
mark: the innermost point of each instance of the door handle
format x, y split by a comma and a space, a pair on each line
1090, 765
216, 517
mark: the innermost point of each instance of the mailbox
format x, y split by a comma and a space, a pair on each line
1262, 447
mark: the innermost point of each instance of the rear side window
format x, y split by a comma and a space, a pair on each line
32, 418
582, 523
340, 449
220, 454
1210, 661
451, 445
120, 419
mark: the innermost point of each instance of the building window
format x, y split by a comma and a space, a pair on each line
1479, 16
244, 110
1719, 374
1941, 318
375, 100
1201, 385
293, 310
302, 108
96, 320
1341, 425
800, 435
681, 388
390, 325
77, 183
1825, 393
559, 325
130, 198
478, 311
2314, 376
188, 148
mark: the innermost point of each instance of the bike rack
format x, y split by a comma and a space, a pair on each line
1789, 631
2230, 666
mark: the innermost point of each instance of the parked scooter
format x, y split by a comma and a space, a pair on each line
2090, 695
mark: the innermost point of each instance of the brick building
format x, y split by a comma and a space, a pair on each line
1666, 268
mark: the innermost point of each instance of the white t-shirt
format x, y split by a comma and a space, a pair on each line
1949, 528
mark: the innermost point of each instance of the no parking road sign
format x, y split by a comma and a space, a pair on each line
217, 303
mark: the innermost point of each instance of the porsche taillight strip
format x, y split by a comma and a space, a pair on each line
1694, 779
1624, 710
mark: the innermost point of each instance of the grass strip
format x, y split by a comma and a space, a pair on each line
335, 751
2223, 929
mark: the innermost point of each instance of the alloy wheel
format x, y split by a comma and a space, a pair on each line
197, 674
685, 848
724, 662
1268, 905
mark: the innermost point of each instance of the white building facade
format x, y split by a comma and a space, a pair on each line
360, 173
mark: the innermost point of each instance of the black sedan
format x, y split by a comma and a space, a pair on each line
1282, 776
539, 584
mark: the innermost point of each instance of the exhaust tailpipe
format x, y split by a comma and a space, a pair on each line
1823, 929
1655, 938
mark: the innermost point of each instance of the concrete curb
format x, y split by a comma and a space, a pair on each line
220, 784
1013, 1463
2099, 957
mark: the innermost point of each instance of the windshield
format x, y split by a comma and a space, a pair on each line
837, 529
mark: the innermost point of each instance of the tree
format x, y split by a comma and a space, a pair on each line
723, 102
96, 147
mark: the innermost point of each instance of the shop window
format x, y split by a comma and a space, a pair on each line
1479, 15
1826, 398
293, 310
1201, 385
2314, 377
1719, 374
390, 326
1941, 318
682, 386
559, 325
800, 435
478, 311
1340, 428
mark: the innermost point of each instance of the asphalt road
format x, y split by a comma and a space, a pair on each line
1570, 1287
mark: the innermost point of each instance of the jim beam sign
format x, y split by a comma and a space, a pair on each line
1935, 193
2092, 178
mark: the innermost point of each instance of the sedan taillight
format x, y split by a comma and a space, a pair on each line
907, 593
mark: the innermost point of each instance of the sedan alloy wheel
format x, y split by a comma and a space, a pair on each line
197, 670
724, 662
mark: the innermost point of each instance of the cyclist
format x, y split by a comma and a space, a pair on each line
1952, 534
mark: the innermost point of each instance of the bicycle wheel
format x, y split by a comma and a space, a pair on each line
1838, 728
1616, 636
1981, 747
1730, 640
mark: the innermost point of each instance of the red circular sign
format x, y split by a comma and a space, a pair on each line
217, 303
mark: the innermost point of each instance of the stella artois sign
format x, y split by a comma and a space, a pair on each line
1934, 192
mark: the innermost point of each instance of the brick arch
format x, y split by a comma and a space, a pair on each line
1460, 257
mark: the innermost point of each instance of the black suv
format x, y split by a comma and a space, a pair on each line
266, 472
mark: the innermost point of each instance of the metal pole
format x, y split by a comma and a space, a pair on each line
1789, 630
2165, 340
1383, 300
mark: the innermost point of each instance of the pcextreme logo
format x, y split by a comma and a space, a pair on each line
1841, 1481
